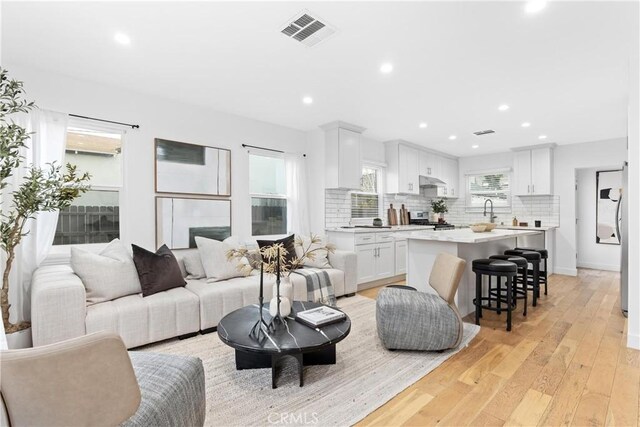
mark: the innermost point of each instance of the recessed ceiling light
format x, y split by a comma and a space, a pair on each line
122, 38
452, 137
535, 6
503, 107
423, 125
475, 146
307, 100
386, 68
542, 137
525, 124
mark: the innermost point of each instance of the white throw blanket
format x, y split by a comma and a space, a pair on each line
319, 287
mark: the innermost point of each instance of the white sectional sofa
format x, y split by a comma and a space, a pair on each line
59, 310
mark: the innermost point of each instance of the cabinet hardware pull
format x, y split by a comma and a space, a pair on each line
528, 186
533, 188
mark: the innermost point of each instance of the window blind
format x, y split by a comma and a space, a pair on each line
364, 205
494, 186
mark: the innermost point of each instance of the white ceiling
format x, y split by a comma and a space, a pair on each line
563, 69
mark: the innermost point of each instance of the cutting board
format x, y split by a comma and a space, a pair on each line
392, 215
403, 215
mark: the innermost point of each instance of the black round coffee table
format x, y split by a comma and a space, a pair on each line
308, 346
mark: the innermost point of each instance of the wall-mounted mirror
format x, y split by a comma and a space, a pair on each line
192, 169
179, 221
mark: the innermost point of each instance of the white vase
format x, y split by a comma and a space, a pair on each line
286, 289
435, 217
285, 306
20, 339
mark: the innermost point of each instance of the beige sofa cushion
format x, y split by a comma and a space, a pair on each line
141, 320
221, 298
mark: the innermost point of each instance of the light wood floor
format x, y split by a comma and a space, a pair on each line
566, 363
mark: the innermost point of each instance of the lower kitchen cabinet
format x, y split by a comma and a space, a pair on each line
401, 257
375, 261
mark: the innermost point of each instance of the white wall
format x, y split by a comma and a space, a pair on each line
159, 118
568, 158
590, 253
633, 197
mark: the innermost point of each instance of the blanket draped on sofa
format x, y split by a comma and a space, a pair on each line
319, 287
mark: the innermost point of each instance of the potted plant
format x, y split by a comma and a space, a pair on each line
48, 188
439, 208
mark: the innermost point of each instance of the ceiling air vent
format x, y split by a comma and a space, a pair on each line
307, 29
484, 132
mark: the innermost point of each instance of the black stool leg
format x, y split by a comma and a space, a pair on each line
545, 276
498, 293
535, 280
509, 289
478, 298
525, 284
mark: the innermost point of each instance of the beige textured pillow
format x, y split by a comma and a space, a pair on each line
109, 275
320, 257
213, 254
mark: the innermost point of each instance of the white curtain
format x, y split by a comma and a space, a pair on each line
46, 145
297, 202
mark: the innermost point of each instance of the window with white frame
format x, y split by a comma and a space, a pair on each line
366, 202
94, 217
494, 185
268, 188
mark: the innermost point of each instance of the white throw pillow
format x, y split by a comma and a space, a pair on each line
193, 265
320, 257
213, 254
109, 275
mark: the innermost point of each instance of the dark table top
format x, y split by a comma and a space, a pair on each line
295, 337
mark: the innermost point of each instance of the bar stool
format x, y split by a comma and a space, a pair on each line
499, 269
532, 258
521, 279
544, 255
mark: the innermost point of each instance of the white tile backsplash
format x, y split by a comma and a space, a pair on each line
526, 209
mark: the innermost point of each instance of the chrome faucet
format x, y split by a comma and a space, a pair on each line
492, 217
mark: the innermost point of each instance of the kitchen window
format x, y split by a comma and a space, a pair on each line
366, 202
94, 217
268, 188
494, 185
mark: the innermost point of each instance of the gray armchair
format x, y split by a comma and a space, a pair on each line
410, 320
93, 380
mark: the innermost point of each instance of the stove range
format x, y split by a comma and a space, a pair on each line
438, 226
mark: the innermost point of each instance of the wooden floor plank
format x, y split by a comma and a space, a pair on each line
565, 363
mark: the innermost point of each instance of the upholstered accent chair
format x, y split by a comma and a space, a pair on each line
93, 380
411, 320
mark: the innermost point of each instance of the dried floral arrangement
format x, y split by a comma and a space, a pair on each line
269, 256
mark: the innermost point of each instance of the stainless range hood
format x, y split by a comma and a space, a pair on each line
428, 181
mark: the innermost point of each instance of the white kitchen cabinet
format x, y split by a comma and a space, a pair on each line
343, 155
532, 171
375, 261
366, 255
401, 257
449, 175
428, 164
408, 177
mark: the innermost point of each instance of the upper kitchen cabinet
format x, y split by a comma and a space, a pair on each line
428, 164
402, 168
343, 155
532, 170
448, 174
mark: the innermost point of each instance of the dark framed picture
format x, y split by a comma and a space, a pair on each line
183, 168
180, 220
608, 186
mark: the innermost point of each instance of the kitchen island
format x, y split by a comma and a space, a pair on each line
424, 246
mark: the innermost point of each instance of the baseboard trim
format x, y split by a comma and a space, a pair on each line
381, 282
596, 266
633, 341
566, 271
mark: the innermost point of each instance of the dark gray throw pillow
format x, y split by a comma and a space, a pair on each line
157, 271
289, 243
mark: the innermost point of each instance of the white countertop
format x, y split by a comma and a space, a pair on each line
393, 229
465, 235
517, 227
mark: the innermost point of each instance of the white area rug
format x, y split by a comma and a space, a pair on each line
365, 377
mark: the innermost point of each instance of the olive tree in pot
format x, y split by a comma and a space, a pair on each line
42, 189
